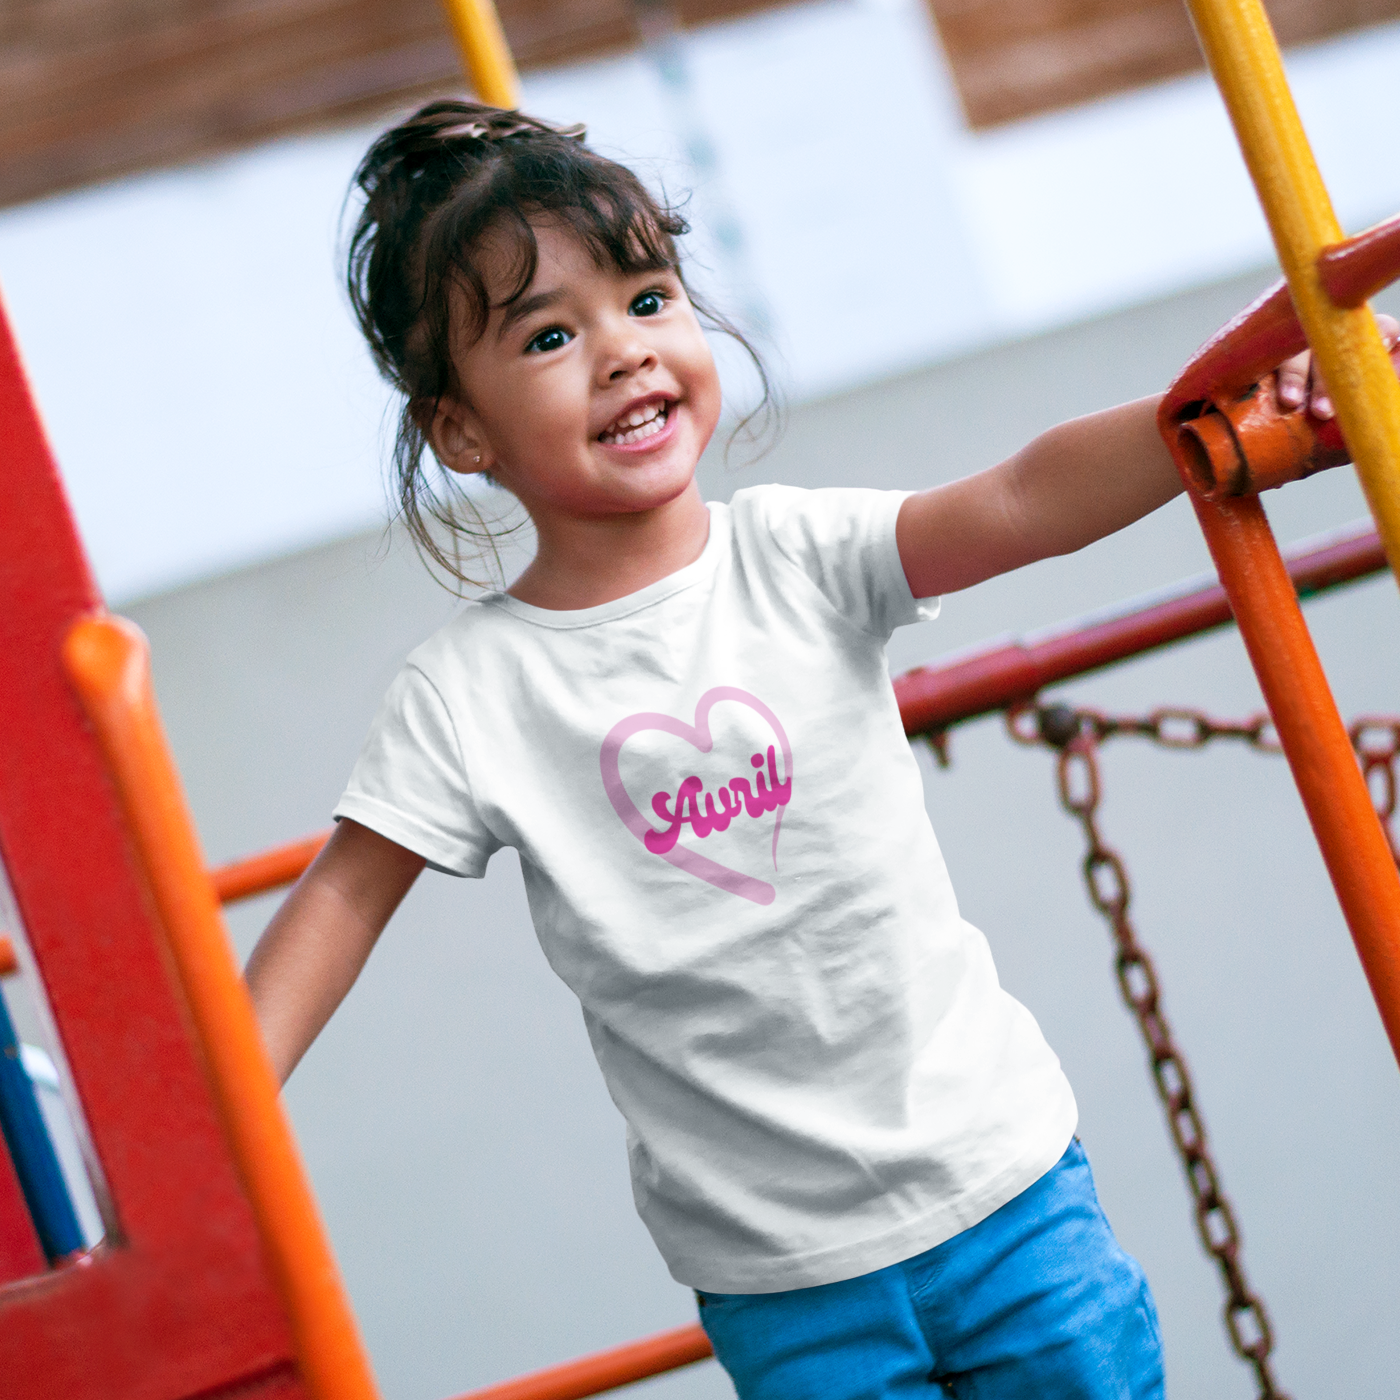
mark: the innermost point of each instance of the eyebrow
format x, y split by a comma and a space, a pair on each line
527, 306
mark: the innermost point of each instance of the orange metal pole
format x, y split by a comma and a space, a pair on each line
606, 1370
269, 870
108, 663
1314, 739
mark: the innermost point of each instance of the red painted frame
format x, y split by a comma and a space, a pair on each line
179, 1302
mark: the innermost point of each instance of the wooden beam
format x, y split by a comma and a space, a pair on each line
92, 89
1015, 58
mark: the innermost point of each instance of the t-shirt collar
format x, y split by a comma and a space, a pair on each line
646, 597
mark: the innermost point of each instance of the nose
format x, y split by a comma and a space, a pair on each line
626, 352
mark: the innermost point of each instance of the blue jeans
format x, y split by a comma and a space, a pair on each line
1036, 1302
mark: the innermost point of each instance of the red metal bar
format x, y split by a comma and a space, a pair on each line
1243, 350
606, 1370
1355, 269
20, 1254
1268, 330
931, 698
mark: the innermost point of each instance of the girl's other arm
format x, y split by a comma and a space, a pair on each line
312, 951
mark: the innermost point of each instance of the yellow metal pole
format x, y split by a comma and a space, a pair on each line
1244, 58
485, 53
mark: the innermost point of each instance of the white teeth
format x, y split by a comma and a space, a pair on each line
641, 423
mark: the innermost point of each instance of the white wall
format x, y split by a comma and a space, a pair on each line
210, 403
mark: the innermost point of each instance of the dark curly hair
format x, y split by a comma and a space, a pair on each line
432, 187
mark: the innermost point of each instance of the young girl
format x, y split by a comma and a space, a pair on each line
843, 1134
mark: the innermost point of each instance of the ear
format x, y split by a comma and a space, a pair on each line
457, 439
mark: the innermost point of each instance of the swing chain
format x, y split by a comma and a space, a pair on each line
1376, 739
1171, 726
1076, 735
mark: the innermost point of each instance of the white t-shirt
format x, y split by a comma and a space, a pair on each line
727, 857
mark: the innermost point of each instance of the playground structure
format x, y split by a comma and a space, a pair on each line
206, 1182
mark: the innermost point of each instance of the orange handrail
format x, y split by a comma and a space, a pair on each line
605, 1370
108, 663
1255, 579
1314, 739
268, 870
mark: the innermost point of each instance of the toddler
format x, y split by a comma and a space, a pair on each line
843, 1134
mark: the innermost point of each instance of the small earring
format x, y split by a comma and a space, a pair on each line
477, 459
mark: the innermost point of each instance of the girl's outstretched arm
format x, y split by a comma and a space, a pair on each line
1072, 485
312, 951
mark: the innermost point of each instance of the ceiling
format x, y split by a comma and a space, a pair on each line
91, 89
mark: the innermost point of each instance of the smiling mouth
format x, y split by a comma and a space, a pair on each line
636, 426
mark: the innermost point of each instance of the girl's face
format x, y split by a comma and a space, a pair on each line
591, 395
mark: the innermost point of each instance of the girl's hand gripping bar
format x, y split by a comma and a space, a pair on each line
1221, 416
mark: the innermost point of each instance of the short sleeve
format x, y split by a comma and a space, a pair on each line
409, 782
843, 539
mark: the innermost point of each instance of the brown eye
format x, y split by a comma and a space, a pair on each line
648, 304
555, 338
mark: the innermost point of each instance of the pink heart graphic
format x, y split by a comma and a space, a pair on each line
698, 734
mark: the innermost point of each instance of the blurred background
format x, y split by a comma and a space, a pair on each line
950, 226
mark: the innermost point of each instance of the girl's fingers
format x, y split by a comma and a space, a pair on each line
1390, 333
1320, 406
1299, 380
1292, 386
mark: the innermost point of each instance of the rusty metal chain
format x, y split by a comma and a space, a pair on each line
1076, 734
1376, 739
1173, 727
